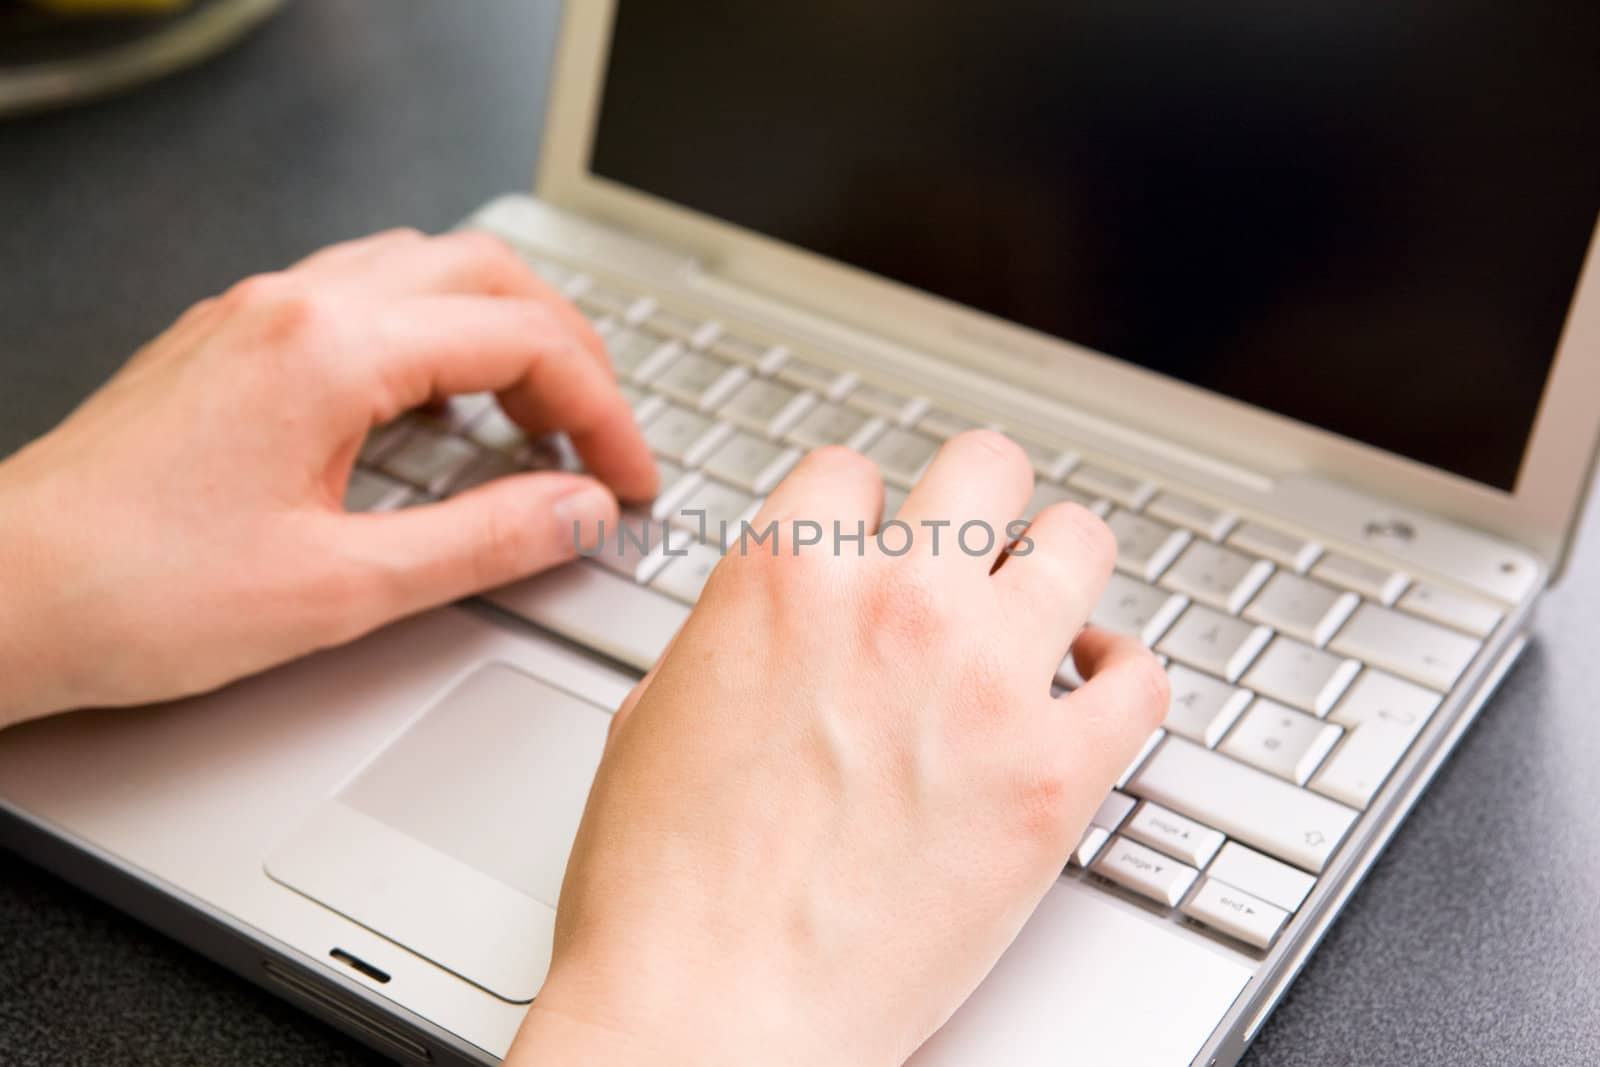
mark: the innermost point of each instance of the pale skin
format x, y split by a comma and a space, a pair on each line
819, 820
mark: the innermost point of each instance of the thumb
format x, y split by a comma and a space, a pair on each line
490, 535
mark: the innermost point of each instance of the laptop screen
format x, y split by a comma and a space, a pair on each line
1370, 217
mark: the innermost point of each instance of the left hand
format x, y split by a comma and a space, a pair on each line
185, 525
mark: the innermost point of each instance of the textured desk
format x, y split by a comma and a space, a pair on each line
1475, 940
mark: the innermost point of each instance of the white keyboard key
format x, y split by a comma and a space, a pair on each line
428, 459
371, 491
1464, 612
1047, 493
1124, 489
945, 424
824, 381
1372, 581
1261, 876
600, 301
1149, 746
894, 498
830, 424
675, 482
630, 349
1380, 697
752, 354
766, 407
1209, 522
553, 453
1202, 708
1280, 740
595, 608
679, 434
1113, 809
1293, 552
1301, 607
1167, 831
1383, 716
1093, 840
486, 468
901, 455
693, 332
1214, 642
462, 410
629, 548
384, 439
1144, 546
1235, 912
684, 577
1361, 763
898, 408
699, 380
711, 512
556, 274
1145, 871
754, 464
1250, 805
1048, 460
1301, 676
1217, 576
1410, 647
1129, 606
1067, 676
493, 429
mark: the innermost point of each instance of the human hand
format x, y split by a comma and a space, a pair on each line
185, 526
832, 805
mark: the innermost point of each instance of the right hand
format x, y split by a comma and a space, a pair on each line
824, 815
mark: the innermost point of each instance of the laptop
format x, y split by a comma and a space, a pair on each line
1304, 302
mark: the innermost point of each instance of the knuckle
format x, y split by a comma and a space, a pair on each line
1086, 534
994, 447
494, 260
407, 234
1043, 797
902, 601
256, 291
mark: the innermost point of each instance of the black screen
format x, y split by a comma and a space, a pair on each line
1367, 216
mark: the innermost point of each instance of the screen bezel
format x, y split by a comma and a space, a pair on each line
1540, 512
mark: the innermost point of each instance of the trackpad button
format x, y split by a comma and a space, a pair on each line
452, 842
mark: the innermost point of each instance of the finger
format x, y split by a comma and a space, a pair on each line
506, 529
443, 345
465, 262
978, 483
831, 491
1055, 574
1123, 700
327, 263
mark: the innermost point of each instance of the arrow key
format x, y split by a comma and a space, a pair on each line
1235, 913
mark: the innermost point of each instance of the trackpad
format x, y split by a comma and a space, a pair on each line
453, 840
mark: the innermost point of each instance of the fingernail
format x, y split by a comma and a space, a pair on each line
580, 514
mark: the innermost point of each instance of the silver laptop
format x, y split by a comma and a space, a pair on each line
1304, 303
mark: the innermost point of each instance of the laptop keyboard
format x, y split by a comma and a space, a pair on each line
1300, 675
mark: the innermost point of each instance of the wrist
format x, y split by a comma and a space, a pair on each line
656, 1018
36, 678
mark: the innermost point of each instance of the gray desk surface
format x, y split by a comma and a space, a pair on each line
1475, 940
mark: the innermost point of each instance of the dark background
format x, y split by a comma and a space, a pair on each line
1367, 216
1474, 941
